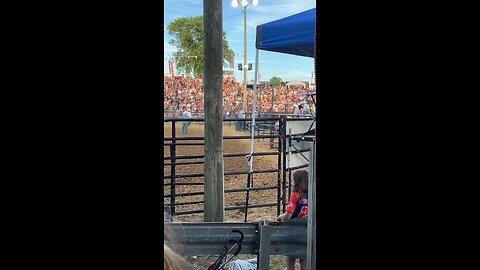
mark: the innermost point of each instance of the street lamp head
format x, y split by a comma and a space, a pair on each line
244, 3
234, 3
255, 2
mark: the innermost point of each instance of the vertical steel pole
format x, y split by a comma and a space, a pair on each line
288, 161
283, 130
312, 209
279, 165
172, 173
244, 59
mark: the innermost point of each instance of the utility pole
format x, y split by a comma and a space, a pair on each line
214, 205
244, 59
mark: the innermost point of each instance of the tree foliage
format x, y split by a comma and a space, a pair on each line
187, 33
276, 81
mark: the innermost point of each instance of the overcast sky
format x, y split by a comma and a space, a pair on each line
287, 67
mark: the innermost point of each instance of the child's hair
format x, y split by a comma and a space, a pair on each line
301, 182
171, 260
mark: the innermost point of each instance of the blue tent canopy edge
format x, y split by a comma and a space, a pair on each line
292, 35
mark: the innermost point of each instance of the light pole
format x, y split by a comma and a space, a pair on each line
244, 4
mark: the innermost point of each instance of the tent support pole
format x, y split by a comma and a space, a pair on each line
252, 126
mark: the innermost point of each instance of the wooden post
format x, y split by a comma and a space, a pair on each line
214, 206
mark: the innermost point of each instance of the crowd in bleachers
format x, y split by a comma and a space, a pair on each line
186, 94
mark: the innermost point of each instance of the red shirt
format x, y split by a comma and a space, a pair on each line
298, 207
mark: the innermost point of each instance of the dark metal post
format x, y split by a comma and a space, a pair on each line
283, 130
279, 165
214, 206
289, 164
172, 173
312, 208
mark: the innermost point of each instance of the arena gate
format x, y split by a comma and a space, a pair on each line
285, 151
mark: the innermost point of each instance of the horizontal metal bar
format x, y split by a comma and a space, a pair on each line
180, 213
184, 157
185, 163
227, 155
184, 203
227, 208
250, 206
189, 143
298, 119
250, 137
184, 184
224, 137
184, 194
184, 175
252, 188
201, 238
299, 151
307, 139
226, 191
254, 154
298, 167
224, 119
225, 173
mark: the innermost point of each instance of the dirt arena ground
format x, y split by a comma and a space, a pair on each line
231, 181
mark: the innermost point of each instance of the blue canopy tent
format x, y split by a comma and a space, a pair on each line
291, 35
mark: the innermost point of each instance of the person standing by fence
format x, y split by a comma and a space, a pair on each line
297, 208
240, 124
185, 124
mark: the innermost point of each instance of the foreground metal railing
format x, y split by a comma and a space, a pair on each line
261, 238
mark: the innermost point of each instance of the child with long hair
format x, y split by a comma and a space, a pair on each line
296, 208
171, 260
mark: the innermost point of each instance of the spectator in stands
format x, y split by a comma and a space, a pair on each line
306, 109
298, 110
181, 94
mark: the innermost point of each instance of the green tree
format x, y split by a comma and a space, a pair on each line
276, 81
187, 33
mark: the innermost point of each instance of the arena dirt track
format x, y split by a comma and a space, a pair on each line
231, 181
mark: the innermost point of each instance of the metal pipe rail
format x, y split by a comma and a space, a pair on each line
262, 238
226, 191
226, 155
225, 173
227, 208
224, 137
224, 119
